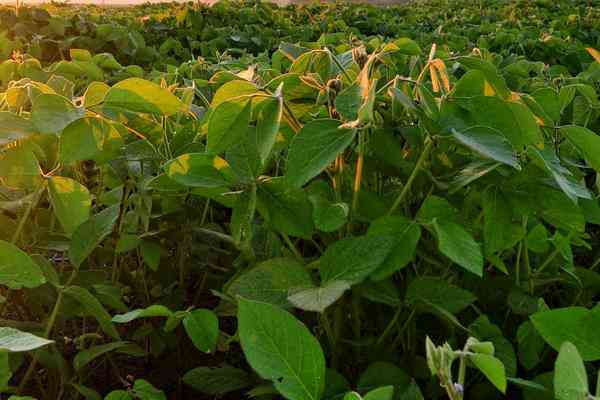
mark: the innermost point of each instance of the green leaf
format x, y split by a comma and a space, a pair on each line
118, 395
51, 113
91, 233
427, 290
353, 259
145, 391
497, 214
406, 234
228, 124
437, 208
151, 254
271, 281
459, 246
381, 373
71, 202
155, 310
199, 170
84, 357
382, 393
94, 308
489, 143
319, 298
14, 340
313, 148
531, 345
19, 168
285, 209
139, 95
95, 94
267, 126
491, 73
492, 368
217, 381
577, 325
562, 176
86, 392
17, 269
89, 138
202, 327
586, 141
280, 348
329, 217
570, 376
14, 127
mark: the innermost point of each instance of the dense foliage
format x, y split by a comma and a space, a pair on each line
326, 201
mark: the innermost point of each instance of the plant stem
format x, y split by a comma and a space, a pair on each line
291, 246
25, 216
413, 175
551, 256
47, 331
359, 171
389, 326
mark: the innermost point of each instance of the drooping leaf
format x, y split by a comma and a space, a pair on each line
586, 141
14, 340
94, 308
91, 233
71, 202
202, 327
281, 349
570, 376
353, 259
271, 281
155, 310
314, 148
489, 143
319, 298
492, 368
17, 269
459, 246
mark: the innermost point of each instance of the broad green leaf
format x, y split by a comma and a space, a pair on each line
329, 217
406, 234
458, 245
217, 381
71, 202
89, 138
286, 209
562, 176
86, 356
155, 310
570, 376
513, 120
139, 95
267, 126
95, 94
17, 269
491, 73
439, 292
530, 344
228, 124
492, 368
352, 396
14, 127
437, 208
382, 393
353, 259
51, 113
94, 308
19, 168
280, 348
231, 90
118, 395
144, 390
80, 54
485, 331
14, 340
577, 325
319, 298
199, 170
472, 83
348, 102
586, 141
151, 252
489, 143
497, 220
313, 148
202, 327
271, 281
381, 373
91, 233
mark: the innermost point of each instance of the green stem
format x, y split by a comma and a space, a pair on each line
291, 246
47, 331
413, 175
390, 326
552, 256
